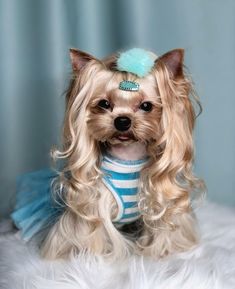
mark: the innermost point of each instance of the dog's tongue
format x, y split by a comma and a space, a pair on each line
123, 137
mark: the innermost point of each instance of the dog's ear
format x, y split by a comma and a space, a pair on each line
110, 62
79, 59
173, 60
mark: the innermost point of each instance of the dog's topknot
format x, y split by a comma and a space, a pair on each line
136, 60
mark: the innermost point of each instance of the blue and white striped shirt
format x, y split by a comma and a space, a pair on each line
122, 179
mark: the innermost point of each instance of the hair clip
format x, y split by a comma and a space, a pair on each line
129, 85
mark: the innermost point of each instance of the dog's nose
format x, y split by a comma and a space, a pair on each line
122, 123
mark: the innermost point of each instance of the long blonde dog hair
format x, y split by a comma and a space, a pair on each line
167, 182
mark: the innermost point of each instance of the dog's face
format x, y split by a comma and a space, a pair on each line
117, 116
159, 113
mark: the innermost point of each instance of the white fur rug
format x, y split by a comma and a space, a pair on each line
210, 266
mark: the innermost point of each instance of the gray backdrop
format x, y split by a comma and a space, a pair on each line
35, 36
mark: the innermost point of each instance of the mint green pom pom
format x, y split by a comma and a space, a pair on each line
136, 60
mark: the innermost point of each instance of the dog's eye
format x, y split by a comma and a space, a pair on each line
146, 106
103, 103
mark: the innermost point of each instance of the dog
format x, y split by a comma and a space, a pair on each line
128, 147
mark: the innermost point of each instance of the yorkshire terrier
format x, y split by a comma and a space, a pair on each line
128, 146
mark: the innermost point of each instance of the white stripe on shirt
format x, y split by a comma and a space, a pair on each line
126, 184
131, 198
121, 169
131, 210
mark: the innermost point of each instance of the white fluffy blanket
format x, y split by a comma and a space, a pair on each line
210, 266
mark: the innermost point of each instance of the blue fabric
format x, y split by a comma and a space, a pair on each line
36, 209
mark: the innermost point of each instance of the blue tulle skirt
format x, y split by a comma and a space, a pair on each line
36, 207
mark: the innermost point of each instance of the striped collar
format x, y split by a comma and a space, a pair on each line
118, 161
